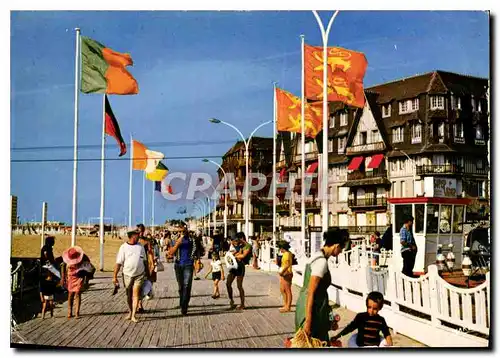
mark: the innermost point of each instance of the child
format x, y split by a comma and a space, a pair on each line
47, 290
369, 325
217, 273
73, 259
286, 276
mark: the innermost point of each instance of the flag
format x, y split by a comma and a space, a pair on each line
112, 128
158, 186
143, 158
158, 174
345, 73
104, 70
289, 114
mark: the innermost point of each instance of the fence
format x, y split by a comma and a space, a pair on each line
427, 309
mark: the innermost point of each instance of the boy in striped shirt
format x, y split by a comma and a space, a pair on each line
369, 325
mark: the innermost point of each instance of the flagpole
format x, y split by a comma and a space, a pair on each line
101, 219
144, 199
303, 148
274, 166
153, 210
324, 157
130, 184
75, 145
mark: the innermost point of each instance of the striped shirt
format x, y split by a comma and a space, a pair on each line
369, 329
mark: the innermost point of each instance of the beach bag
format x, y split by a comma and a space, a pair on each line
302, 340
147, 288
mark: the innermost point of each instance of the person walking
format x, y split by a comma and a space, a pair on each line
408, 246
312, 312
217, 273
73, 257
286, 276
255, 252
185, 254
132, 257
242, 254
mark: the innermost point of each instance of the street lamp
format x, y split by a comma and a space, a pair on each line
208, 213
202, 209
246, 142
225, 194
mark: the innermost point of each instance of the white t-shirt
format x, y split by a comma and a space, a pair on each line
320, 265
216, 266
131, 257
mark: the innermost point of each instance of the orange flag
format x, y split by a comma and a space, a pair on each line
143, 158
289, 114
345, 70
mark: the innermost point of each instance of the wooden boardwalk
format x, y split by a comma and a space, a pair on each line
209, 323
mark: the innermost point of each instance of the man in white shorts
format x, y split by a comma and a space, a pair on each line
132, 257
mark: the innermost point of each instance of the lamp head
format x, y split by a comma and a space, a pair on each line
214, 120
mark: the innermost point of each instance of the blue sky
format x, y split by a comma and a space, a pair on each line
192, 66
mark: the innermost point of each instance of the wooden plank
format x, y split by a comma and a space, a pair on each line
455, 307
426, 305
480, 308
467, 309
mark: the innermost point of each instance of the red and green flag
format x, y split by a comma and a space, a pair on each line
104, 70
112, 128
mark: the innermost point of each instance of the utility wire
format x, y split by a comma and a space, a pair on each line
106, 159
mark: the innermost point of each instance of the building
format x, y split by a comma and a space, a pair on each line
260, 161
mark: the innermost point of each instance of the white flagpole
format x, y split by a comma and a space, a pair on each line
153, 210
130, 184
75, 144
303, 148
275, 131
144, 199
103, 154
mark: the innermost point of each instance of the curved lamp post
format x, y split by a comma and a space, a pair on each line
246, 142
225, 194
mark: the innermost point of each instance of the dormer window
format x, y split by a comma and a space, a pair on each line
343, 119
407, 106
397, 134
437, 102
473, 103
479, 132
386, 110
416, 133
332, 121
455, 102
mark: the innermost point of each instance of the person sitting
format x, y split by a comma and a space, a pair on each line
369, 325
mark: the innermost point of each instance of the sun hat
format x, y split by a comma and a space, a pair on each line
73, 255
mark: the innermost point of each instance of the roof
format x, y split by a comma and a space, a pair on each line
259, 143
431, 82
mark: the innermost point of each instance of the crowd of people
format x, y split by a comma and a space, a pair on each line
140, 259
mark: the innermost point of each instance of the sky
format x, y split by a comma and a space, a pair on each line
190, 66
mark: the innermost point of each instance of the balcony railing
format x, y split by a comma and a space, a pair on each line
364, 229
235, 216
309, 156
371, 147
439, 169
459, 140
310, 204
367, 202
284, 207
376, 173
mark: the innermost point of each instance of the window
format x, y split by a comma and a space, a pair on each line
416, 133
393, 189
473, 103
437, 102
362, 138
479, 132
479, 164
401, 212
456, 103
343, 119
481, 189
445, 219
375, 136
479, 105
459, 130
330, 145
403, 189
441, 132
397, 134
414, 104
342, 143
403, 107
419, 218
432, 218
386, 110
332, 121
342, 194
458, 218
401, 164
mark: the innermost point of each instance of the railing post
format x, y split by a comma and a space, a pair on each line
433, 292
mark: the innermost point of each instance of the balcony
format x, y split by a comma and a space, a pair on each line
367, 202
459, 140
283, 208
445, 169
372, 147
479, 142
235, 216
309, 157
310, 204
364, 229
261, 216
359, 175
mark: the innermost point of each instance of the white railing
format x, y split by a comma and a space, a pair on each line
427, 309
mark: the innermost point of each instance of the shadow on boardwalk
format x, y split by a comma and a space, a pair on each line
209, 324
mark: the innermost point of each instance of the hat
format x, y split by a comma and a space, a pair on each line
132, 232
284, 245
73, 255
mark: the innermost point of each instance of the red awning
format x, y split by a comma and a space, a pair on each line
282, 174
355, 163
312, 168
376, 160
